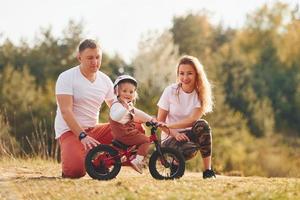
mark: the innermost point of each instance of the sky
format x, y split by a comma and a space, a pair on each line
117, 24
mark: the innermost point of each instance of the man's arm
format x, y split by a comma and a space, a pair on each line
65, 103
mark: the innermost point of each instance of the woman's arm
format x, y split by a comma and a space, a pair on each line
187, 122
161, 117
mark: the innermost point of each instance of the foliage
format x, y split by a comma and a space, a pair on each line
154, 68
254, 71
8, 144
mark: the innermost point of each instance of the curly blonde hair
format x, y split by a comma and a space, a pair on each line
202, 85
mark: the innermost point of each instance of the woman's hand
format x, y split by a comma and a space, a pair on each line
179, 136
89, 142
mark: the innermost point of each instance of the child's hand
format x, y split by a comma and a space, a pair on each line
154, 120
130, 105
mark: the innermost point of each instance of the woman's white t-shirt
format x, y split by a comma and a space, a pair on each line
178, 103
87, 97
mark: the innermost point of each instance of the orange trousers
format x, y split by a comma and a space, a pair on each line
73, 153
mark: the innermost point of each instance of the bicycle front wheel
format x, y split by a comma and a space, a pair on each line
170, 164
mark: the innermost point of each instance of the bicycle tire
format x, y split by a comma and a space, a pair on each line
103, 172
176, 157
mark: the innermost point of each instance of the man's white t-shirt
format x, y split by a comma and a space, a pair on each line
179, 106
87, 97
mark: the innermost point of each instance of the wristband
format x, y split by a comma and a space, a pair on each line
82, 135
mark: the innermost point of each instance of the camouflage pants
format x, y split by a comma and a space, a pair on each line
200, 139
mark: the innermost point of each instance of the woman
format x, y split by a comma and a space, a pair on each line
181, 106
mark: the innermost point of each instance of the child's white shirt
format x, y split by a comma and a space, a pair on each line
122, 115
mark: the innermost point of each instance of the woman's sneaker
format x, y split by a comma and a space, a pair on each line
209, 173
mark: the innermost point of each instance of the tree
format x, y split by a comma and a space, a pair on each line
155, 67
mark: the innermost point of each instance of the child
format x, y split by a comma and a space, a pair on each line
123, 116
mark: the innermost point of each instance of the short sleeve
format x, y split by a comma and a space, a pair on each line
164, 99
64, 84
117, 112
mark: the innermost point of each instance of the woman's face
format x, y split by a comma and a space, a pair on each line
126, 92
187, 75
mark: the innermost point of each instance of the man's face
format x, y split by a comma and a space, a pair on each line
90, 59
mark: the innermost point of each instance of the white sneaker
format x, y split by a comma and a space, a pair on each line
137, 166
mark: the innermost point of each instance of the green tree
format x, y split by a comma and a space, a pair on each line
155, 68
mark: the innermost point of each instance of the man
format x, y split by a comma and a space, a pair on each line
80, 92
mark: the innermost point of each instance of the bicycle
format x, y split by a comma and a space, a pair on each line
104, 161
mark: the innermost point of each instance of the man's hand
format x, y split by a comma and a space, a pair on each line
89, 142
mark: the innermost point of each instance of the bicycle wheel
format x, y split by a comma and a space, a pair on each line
173, 168
102, 163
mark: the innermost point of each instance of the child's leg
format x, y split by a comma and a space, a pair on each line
143, 143
102, 133
141, 140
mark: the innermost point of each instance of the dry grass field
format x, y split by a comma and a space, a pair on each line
40, 179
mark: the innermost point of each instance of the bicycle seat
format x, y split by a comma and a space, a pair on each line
119, 144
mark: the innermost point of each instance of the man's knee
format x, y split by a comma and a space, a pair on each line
74, 172
73, 166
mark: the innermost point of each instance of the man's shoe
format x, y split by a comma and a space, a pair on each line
209, 173
137, 166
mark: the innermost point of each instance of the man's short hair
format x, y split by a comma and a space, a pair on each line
88, 44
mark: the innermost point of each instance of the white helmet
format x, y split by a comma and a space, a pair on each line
123, 78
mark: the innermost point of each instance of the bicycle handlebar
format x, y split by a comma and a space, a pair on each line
153, 124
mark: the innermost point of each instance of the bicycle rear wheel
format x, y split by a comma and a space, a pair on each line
103, 163
173, 168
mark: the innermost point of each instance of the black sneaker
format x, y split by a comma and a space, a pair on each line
209, 173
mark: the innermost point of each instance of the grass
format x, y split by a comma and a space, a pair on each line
40, 179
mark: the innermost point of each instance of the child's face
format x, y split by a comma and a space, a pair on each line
126, 92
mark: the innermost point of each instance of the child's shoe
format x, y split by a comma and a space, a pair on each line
137, 166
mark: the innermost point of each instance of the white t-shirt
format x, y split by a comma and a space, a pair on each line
178, 106
122, 115
87, 97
